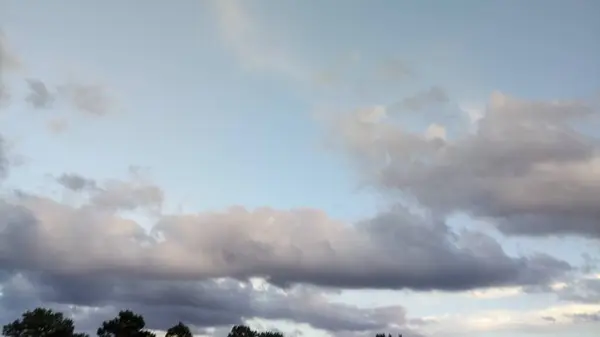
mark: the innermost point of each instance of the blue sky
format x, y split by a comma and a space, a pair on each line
221, 103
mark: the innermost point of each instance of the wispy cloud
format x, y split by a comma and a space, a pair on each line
254, 46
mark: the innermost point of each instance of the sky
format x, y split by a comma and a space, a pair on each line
336, 168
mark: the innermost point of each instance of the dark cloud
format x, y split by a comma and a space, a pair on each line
206, 303
529, 167
39, 96
75, 182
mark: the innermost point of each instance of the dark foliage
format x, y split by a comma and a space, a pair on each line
43, 322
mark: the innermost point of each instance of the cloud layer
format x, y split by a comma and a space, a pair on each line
530, 167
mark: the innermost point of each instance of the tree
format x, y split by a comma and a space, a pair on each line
126, 324
41, 322
179, 330
244, 331
270, 334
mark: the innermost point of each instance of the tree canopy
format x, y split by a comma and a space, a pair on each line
42, 322
126, 324
179, 330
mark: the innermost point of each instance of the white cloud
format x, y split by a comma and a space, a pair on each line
510, 320
493, 293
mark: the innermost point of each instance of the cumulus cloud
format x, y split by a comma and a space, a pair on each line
91, 263
393, 250
528, 167
198, 267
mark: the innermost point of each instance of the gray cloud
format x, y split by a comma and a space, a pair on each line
528, 168
116, 194
393, 250
585, 317
586, 290
88, 98
91, 262
39, 96
76, 182
200, 303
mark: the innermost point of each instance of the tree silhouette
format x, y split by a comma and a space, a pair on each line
126, 324
270, 334
41, 322
179, 330
244, 331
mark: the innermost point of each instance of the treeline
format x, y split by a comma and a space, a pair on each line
43, 322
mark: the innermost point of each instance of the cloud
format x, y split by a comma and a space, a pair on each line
393, 250
244, 36
116, 194
75, 182
9, 61
85, 97
418, 101
39, 96
207, 303
585, 317
582, 290
554, 319
394, 69
93, 99
528, 168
